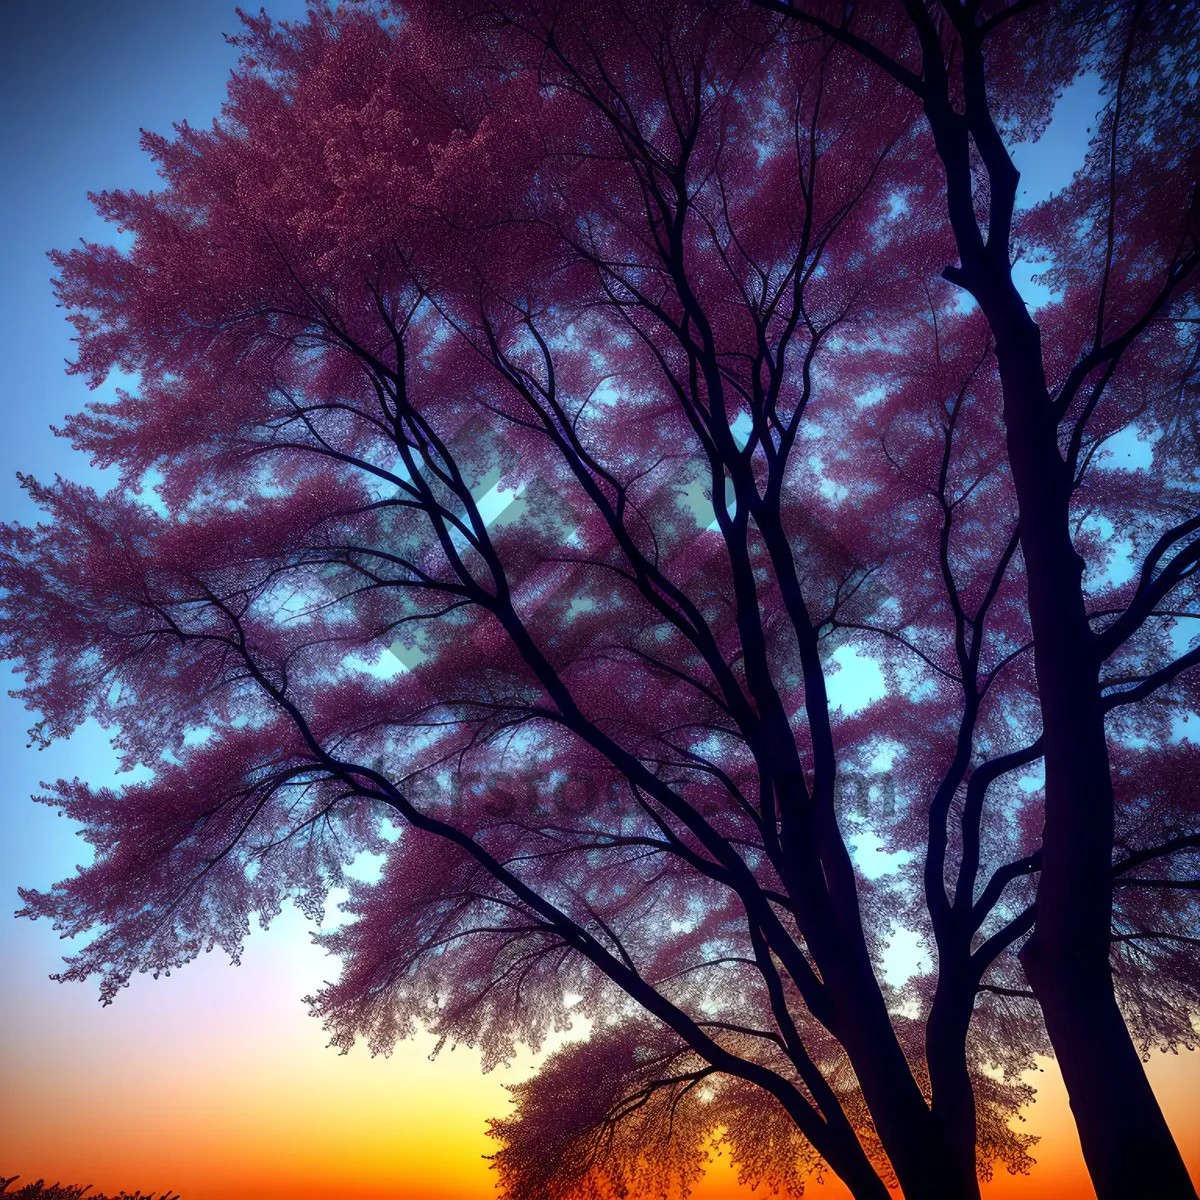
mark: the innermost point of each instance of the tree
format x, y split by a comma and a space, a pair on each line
1125, 240
534, 402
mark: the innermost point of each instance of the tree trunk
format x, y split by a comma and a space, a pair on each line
953, 1100
920, 1146
1129, 1150
819, 874
1126, 1143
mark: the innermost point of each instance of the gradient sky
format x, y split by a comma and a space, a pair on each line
215, 1082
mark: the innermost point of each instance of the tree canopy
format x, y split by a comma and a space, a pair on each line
537, 402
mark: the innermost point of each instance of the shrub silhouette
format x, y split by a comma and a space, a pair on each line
40, 1190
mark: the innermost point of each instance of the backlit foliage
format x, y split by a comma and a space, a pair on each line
534, 405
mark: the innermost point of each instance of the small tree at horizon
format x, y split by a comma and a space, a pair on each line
539, 396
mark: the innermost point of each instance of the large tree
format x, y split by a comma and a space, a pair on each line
535, 403
1125, 247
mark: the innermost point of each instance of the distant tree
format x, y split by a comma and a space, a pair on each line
39, 1190
535, 403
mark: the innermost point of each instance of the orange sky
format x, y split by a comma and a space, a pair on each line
215, 1082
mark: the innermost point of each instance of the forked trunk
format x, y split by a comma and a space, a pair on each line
929, 1160
919, 1144
930, 1163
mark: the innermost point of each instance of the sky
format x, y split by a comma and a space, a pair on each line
215, 1082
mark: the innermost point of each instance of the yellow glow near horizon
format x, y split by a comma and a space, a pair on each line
217, 1084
